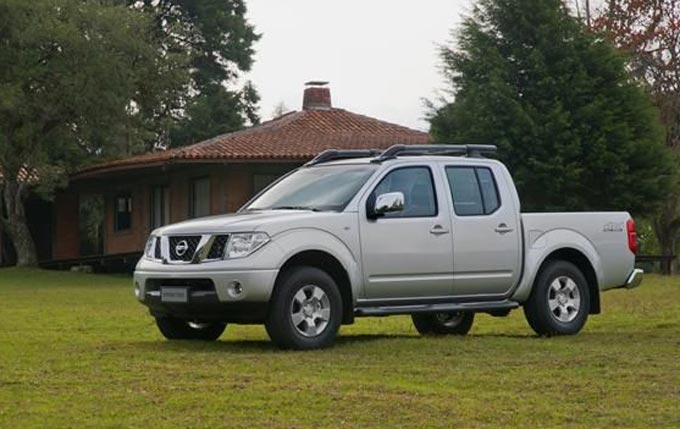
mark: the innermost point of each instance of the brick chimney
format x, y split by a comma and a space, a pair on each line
317, 96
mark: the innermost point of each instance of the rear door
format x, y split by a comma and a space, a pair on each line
408, 254
486, 230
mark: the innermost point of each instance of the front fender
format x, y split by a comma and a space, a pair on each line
298, 240
540, 245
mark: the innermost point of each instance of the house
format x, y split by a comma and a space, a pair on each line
108, 210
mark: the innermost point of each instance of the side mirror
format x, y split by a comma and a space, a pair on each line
391, 202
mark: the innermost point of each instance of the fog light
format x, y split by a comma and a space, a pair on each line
235, 288
138, 290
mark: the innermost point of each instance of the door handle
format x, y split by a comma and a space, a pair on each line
438, 230
503, 229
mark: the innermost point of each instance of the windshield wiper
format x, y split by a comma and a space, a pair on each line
314, 209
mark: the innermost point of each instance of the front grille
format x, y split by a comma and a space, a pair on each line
218, 246
183, 248
157, 248
193, 284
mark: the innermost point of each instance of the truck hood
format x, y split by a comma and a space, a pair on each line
241, 222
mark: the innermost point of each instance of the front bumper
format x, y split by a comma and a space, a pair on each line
212, 295
255, 285
634, 279
205, 307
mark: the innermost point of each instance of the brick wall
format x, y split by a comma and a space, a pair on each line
237, 186
133, 239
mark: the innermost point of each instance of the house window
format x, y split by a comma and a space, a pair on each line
122, 212
199, 198
261, 181
160, 207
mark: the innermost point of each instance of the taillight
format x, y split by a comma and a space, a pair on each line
632, 236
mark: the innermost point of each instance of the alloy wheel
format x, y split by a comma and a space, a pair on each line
310, 310
564, 299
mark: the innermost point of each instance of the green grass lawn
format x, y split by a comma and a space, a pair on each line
77, 351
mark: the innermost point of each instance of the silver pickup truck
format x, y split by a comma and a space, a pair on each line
430, 231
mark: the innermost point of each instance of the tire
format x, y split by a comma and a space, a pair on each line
456, 323
177, 329
305, 310
560, 300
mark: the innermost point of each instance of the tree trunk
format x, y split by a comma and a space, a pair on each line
23, 244
14, 222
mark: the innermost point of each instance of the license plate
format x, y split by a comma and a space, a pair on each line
174, 294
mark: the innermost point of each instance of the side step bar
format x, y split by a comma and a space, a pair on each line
483, 306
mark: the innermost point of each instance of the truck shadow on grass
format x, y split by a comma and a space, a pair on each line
264, 345
254, 344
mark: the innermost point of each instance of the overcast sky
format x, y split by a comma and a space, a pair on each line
380, 56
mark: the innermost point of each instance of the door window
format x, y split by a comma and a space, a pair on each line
418, 189
488, 187
473, 190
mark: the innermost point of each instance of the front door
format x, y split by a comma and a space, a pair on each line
408, 253
486, 231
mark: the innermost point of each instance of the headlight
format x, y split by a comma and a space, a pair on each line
150, 247
243, 244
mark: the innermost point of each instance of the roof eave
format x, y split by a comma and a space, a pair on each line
98, 171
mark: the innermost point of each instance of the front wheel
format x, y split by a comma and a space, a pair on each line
560, 300
456, 323
177, 329
305, 310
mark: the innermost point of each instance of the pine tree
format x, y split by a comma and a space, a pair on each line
576, 131
649, 32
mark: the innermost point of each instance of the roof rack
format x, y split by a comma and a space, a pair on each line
469, 150
333, 155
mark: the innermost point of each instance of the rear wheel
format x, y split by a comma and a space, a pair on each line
455, 323
305, 310
560, 300
177, 329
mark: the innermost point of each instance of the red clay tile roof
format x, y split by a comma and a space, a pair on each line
295, 136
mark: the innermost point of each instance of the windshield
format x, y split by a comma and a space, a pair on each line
328, 187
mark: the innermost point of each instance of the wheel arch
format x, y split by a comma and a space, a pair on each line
566, 243
581, 261
331, 265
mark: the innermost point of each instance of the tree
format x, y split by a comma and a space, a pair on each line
575, 130
78, 81
280, 109
649, 33
219, 40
